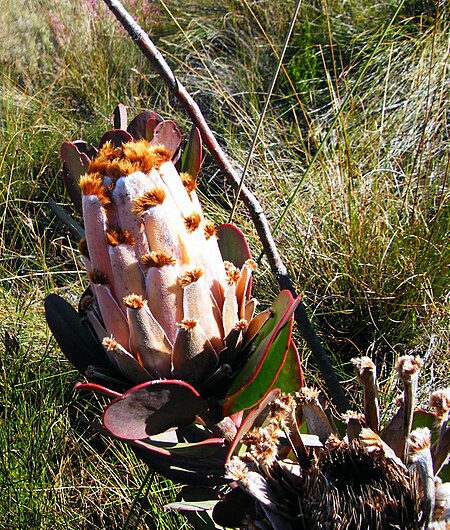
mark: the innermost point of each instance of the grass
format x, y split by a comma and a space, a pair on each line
365, 237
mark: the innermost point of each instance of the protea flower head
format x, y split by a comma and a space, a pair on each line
168, 326
293, 467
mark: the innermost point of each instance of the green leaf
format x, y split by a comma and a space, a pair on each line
192, 156
260, 372
233, 245
290, 378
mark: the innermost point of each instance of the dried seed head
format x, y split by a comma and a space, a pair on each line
251, 264
237, 470
408, 367
157, 259
263, 443
307, 395
134, 301
363, 366
440, 401
371, 443
209, 229
151, 198
191, 276
418, 440
352, 415
192, 222
116, 237
333, 442
281, 407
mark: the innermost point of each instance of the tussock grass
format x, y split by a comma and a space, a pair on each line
365, 236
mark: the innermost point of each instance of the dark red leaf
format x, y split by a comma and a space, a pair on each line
117, 137
233, 245
138, 126
152, 408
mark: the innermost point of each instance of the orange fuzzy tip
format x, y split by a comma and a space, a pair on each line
188, 182
191, 276
134, 301
144, 156
92, 184
83, 248
251, 264
151, 198
87, 302
97, 277
157, 259
128, 158
241, 325
109, 343
233, 274
116, 237
192, 221
209, 228
187, 325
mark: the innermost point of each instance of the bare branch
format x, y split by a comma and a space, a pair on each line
256, 212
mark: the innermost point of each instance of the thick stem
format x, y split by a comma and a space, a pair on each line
256, 212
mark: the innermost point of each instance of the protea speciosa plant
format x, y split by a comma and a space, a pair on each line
168, 328
295, 466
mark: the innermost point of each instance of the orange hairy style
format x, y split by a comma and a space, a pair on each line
92, 184
209, 228
251, 264
187, 324
233, 274
191, 276
241, 325
157, 259
83, 248
144, 156
97, 277
117, 237
87, 302
188, 182
134, 301
192, 221
109, 343
153, 197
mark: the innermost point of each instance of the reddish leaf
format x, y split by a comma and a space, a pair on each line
76, 341
117, 137
138, 126
77, 163
263, 366
120, 119
200, 472
97, 389
233, 245
152, 408
168, 135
